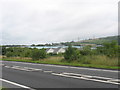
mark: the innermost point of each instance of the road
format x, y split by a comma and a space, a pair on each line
33, 76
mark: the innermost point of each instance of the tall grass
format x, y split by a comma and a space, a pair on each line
99, 60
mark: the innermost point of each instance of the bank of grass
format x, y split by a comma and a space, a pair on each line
98, 61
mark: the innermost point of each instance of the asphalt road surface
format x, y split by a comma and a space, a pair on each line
32, 76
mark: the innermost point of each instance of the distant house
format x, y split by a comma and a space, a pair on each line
49, 50
59, 50
55, 50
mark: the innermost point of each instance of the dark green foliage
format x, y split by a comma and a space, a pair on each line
3, 50
71, 54
86, 51
18, 52
109, 49
42, 54
25, 52
10, 49
9, 54
38, 54
35, 54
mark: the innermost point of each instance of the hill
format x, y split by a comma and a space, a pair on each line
93, 41
101, 40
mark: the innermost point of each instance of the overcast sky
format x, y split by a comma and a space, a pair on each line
47, 21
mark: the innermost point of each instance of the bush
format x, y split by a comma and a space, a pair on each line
71, 54
9, 54
86, 51
42, 54
3, 50
109, 49
38, 54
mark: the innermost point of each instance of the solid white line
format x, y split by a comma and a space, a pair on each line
16, 84
65, 66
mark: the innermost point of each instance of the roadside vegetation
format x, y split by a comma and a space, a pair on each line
105, 56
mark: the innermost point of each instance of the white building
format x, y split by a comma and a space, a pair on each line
50, 50
55, 50
59, 50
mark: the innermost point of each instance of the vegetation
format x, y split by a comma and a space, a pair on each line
110, 49
101, 40
71, 54
60, 61
94, 41
105, 56
38, 54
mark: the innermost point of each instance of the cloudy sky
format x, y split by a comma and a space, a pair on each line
47, 21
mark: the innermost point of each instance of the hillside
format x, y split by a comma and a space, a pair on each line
101, 40
94, 41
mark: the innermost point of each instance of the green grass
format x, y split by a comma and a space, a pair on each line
86, 61
99, 60
1, 88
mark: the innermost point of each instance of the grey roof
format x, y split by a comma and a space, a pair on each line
56, 50
48, 49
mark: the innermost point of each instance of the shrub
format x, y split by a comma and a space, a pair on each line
42, 54
3, 50
71, 54
110, 49
38, 54
9, 54
86, 51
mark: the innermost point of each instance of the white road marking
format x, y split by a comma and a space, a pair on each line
25, 68
114, 80
65, 66
20, 69
79, 76
23, 86
47, 71
82, 75
7, 66
86, 77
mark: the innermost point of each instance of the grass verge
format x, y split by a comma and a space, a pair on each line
57, 61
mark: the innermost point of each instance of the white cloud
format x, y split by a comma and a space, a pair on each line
46, 21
